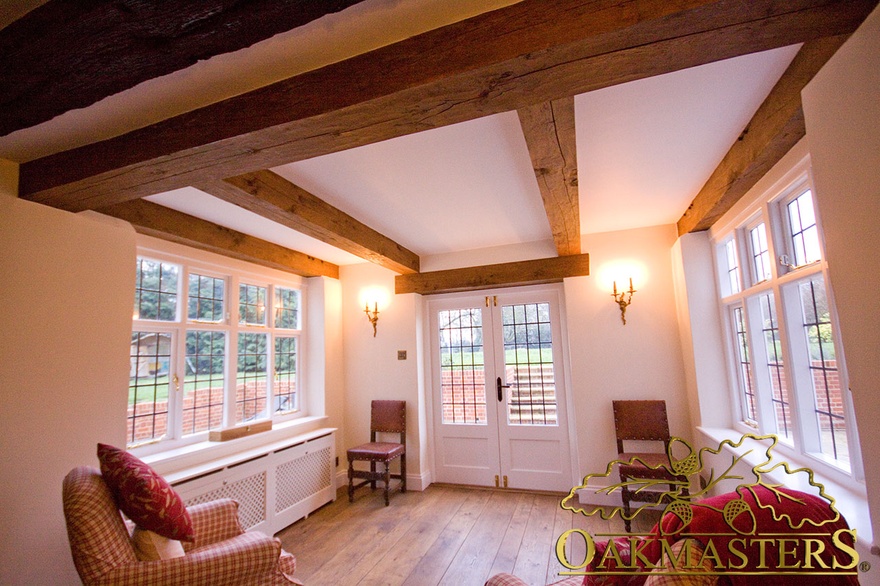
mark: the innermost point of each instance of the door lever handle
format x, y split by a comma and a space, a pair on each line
499, 386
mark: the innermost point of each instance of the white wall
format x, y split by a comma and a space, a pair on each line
65, 327
842, 110
325, 384
699, 321
609, 360
372, 369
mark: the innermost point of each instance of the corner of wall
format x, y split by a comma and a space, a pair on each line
701, 330
68, 287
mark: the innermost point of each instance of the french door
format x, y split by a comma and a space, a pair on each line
499, 391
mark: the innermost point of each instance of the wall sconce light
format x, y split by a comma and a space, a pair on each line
373, 315
622, 299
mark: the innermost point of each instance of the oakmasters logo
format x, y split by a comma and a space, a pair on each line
756, 529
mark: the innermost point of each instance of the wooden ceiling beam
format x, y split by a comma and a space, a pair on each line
511, 274
269, 195
776, 127
550, 136
66, 55
523, 54
156, 220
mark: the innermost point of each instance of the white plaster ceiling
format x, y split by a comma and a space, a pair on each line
644, 150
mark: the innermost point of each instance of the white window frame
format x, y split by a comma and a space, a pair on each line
770, 209
786, 259
233, 274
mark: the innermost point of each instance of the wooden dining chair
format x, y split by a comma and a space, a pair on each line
643, 421
385, 417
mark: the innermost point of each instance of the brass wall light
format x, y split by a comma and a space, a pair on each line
623, 299
373, 315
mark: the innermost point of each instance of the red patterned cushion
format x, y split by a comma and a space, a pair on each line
143, 495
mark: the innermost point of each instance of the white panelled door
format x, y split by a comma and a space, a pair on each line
499, 390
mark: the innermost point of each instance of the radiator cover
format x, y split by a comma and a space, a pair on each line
273, 489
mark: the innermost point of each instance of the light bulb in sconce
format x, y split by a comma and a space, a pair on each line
373, 300
373, 315
623, 299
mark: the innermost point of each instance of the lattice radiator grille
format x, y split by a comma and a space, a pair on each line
303, 477
250, 492
274, 488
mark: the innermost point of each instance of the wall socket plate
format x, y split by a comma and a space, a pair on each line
401, 354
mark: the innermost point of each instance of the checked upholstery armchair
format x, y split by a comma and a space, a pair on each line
222, 552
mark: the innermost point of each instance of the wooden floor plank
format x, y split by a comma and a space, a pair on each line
531, 563
318, 538
395, 567
433, 566
353, 559
444, 535
505, 559
474, 559
562, 522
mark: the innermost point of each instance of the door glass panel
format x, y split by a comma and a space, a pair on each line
463, 386
528, 364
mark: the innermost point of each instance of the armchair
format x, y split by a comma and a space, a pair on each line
222, 553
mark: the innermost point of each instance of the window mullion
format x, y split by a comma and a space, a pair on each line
760, 366
802, 397
232, 355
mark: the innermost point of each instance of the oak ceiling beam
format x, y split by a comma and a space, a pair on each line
156, 220
550, 137
529, 52
511, 274
66, 55
776, 127
269, 195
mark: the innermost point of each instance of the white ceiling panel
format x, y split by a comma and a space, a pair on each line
646, 148
460, 187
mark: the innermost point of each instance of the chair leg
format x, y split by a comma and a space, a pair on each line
403, 473
627, 522
387, 480
373, 470
351, 481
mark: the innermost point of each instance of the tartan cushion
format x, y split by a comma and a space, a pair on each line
143, 495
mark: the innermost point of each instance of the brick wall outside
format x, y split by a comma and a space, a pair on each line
533, 396
196, 406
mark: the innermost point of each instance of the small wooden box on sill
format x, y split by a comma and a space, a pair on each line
240, 431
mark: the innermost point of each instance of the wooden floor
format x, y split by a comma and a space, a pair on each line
444, 535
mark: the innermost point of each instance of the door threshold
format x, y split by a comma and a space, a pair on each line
499, 489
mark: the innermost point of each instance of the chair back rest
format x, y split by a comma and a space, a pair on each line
99, 539
640, 420
388, 417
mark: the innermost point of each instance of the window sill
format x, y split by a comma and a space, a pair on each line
179, 464
850, 498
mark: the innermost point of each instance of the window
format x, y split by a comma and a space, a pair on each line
747, 380
783, 351
197, 364
760, 253
732, 265
804, 234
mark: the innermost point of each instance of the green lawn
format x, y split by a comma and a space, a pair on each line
161, 386
517, 356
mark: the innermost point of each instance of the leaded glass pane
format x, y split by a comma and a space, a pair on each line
463, 384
